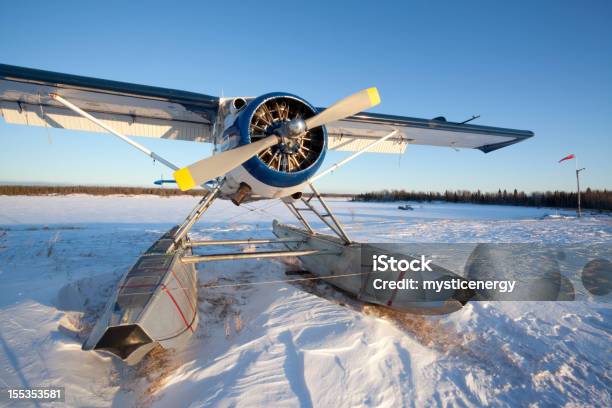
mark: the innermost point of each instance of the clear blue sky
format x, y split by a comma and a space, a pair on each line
537, 65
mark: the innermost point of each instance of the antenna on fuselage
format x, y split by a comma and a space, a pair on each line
469, 120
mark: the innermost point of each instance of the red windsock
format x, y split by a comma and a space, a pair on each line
571, 156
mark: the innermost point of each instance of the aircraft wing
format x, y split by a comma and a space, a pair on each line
134, 110
139, 110
356, 132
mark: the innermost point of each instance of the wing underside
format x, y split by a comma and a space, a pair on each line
134, 110
354, 133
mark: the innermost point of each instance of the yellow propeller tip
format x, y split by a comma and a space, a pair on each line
184, 180
374, 96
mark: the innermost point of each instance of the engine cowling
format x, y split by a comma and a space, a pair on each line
289, 163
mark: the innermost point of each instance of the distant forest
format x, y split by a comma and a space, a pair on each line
13, 190
590, 199
92, 190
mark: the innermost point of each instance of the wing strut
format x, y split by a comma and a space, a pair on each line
137, 145
352, 156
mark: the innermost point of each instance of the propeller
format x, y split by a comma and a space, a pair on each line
212, 167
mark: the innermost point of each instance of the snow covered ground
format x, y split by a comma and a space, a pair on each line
289, 344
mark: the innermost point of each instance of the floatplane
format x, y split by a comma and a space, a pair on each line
266, 147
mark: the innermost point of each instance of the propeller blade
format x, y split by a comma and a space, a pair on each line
346, 107
212, 167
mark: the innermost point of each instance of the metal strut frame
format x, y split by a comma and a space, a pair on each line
194, 244
195, 215
207, 200
250, 255
199, 209
332, 223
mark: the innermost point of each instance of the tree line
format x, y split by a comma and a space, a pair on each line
590, 199
13, 190
92, 190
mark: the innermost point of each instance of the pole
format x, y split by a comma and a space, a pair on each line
578, 170
578, 185
578, 188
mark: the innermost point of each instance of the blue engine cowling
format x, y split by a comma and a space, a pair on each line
305, 158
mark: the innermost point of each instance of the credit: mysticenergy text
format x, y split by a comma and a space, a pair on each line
387, 263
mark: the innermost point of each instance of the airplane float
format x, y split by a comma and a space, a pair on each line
266, 147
